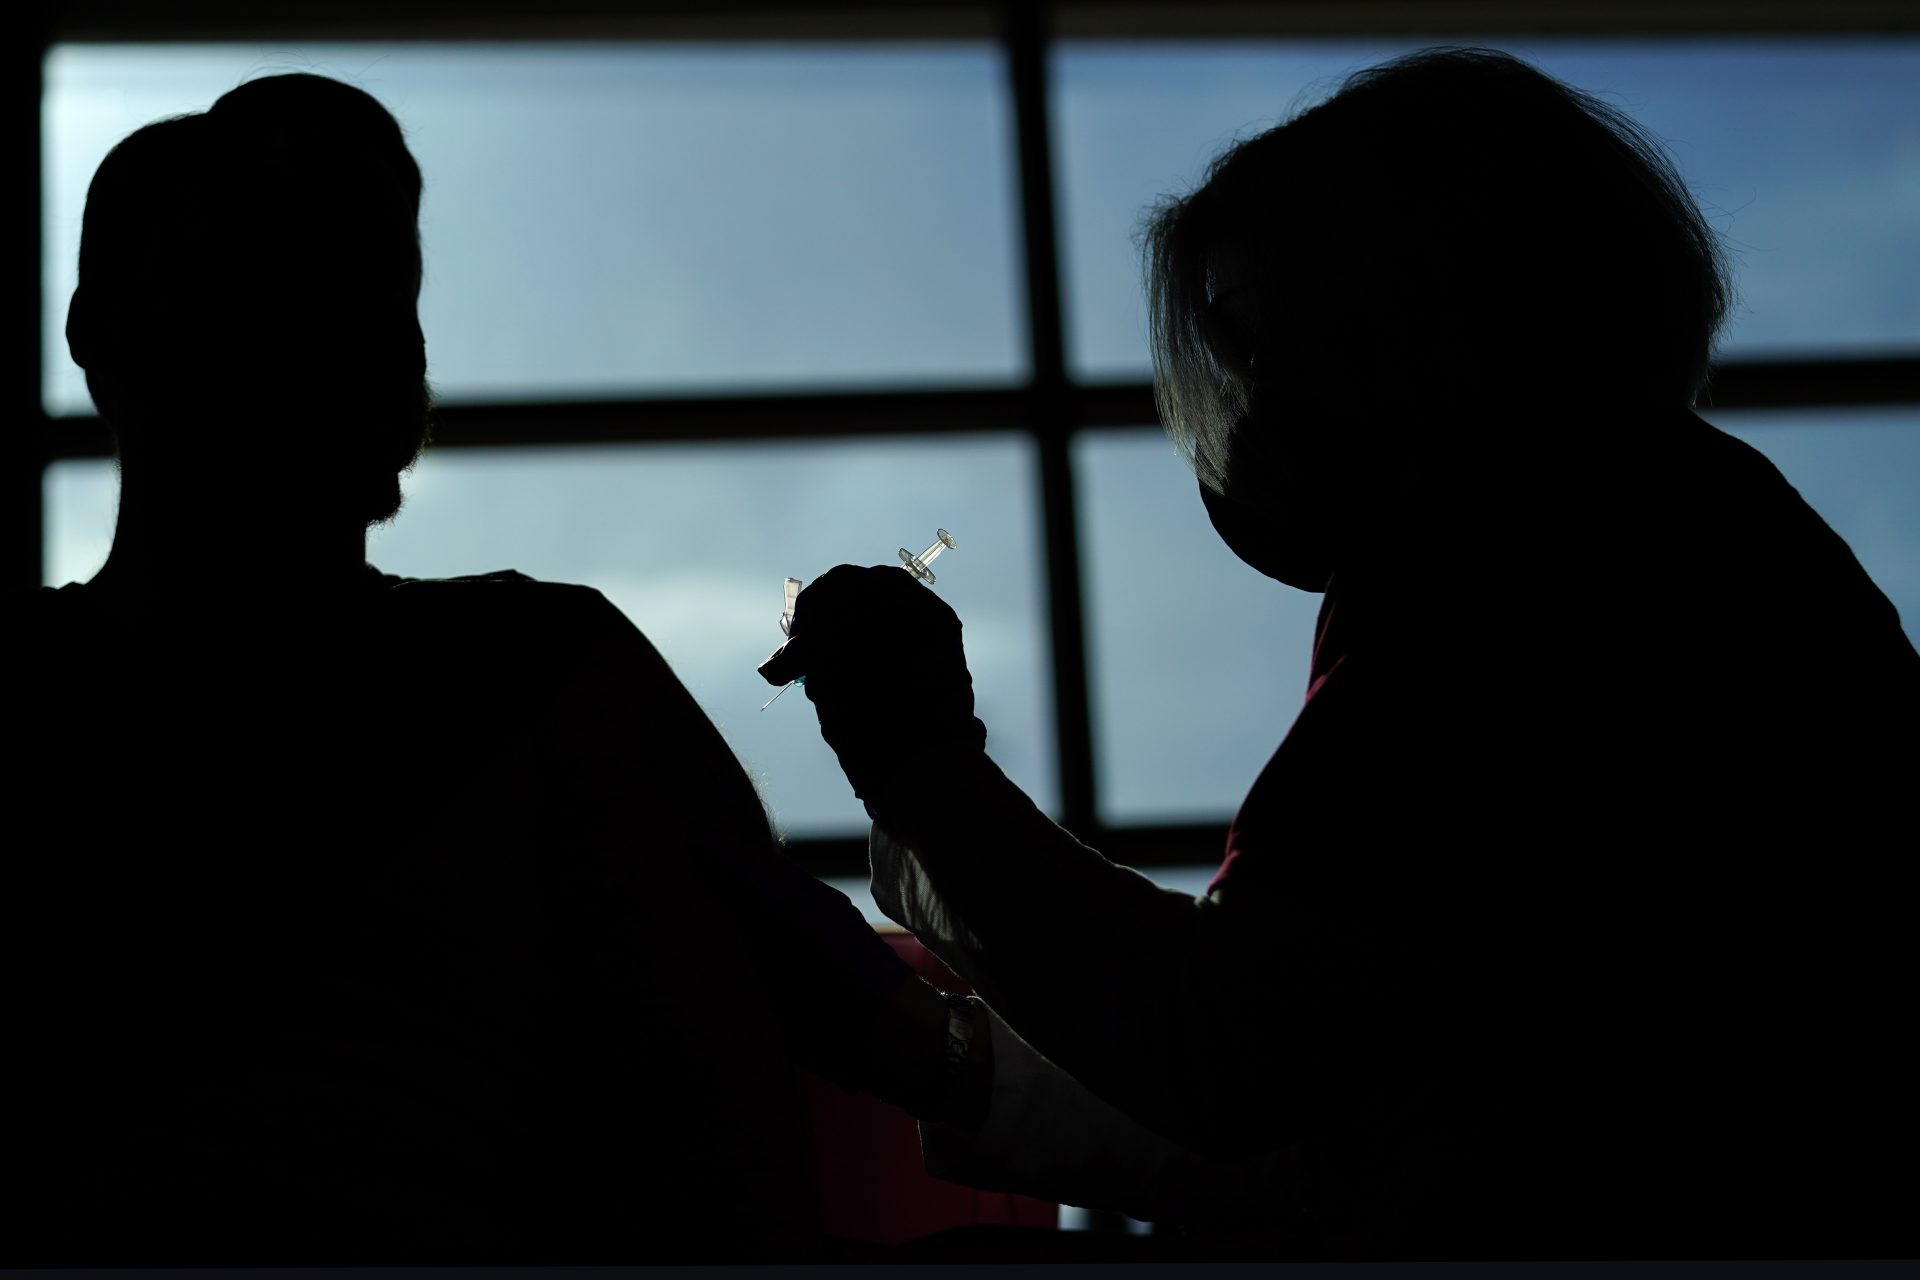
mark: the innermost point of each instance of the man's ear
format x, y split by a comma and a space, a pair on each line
80, 338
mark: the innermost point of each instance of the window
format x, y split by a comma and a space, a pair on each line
1859, 469
1804, 155
624, 219
692, 542
742, 518
797, 294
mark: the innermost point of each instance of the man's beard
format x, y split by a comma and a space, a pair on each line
403, 431
344, 446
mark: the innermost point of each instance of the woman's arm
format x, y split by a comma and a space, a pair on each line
1160, 1003
1192, 1018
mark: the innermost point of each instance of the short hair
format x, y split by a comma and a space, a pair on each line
1531, 235
259, 261
288, 172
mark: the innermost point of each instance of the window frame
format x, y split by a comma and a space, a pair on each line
1050, 408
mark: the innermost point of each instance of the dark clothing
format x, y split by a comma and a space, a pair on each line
406, 931
1571, 918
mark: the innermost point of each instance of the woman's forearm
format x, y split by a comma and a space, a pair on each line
1139, 992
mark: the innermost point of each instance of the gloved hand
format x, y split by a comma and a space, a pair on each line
885, 670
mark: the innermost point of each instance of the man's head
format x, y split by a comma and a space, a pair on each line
246, 312
1407, 270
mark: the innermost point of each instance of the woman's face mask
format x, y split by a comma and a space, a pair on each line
1275, 542
1287, 455
1281, 512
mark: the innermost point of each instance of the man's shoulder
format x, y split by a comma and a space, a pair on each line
513, 610
504, 590
498, 584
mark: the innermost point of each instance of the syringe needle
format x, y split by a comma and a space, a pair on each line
776, 696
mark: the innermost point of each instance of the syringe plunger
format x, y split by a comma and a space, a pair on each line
920, 565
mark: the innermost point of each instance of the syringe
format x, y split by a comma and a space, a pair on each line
917, 565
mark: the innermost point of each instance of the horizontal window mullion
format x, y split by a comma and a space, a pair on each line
1739, 384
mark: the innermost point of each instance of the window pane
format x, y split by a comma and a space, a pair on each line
693, 542
638, 218
79, 499
1860, 469
1198, 664
1804, 154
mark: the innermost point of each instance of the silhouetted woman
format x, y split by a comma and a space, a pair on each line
1567, 918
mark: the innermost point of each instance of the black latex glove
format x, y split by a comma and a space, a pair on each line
885, 670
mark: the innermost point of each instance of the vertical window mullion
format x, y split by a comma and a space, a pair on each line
1050, 417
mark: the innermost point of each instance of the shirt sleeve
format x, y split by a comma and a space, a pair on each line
1048, 1136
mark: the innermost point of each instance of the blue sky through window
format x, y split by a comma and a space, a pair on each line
1804, 154
622, 219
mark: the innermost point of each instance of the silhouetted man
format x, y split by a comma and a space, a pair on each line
372, 920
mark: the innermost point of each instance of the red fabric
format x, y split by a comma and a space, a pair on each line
871, 1185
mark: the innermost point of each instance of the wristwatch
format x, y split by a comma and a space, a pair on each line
964, 1101
961, 1017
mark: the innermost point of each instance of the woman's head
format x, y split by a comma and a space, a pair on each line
1448, 239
